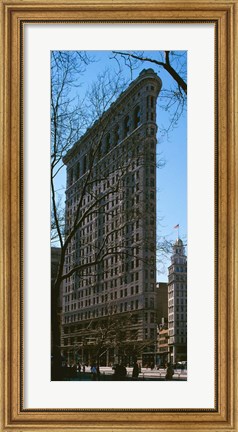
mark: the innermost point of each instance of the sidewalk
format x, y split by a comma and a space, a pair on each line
147, 373
107, 374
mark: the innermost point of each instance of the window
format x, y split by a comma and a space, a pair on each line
84, 164
116, 135
137, 119
77, 170
71, 176
108, 143
126, 126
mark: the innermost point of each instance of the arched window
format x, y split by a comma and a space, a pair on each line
116, 135
107, 143
71, 176
126, 126
77, 170
99, 155
137, 119
84, 164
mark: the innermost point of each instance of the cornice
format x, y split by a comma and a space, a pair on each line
145, 75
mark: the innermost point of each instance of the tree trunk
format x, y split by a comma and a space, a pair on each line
56, 366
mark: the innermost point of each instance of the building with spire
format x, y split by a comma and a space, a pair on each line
177, 304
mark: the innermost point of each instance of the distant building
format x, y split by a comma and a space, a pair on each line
162, 343
162, 301
177, 304
162, 320
55, 259
55, 297
122, 284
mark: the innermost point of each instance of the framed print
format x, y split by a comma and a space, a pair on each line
119, 205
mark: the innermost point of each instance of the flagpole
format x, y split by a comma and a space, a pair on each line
177, 227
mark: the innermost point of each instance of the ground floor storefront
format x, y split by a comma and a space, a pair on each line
127, 355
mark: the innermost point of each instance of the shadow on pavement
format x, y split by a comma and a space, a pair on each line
105, 377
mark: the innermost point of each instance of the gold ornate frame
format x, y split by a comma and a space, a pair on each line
13, 416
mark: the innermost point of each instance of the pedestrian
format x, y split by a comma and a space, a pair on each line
94, 372
116, 372
120, 372
135, 372
123, 372
98, 373
74, 370
169, 372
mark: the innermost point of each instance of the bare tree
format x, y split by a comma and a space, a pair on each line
173, 62
70, 118
112, 331
68, 121
172, 99
111, 243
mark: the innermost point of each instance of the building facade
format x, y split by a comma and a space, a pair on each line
109, 296
177, 304
162, 320
162, 343
56, 298
162, 302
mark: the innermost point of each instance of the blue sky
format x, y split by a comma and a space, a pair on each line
172, 148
